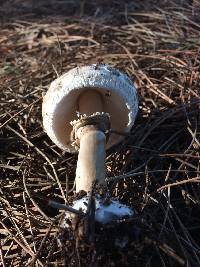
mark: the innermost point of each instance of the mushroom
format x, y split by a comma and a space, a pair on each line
79, 110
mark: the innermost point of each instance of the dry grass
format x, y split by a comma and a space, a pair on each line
155, 170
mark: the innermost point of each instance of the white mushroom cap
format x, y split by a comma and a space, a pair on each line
60, 104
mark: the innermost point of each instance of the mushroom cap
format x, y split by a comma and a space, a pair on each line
60, 104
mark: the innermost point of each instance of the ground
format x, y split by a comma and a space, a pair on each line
156, 168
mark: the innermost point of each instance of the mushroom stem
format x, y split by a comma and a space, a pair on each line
90, 101
91, 158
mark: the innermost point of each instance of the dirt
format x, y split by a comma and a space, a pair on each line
155, 170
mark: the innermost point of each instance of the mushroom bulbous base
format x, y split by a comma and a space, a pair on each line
104, 212
114, 227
